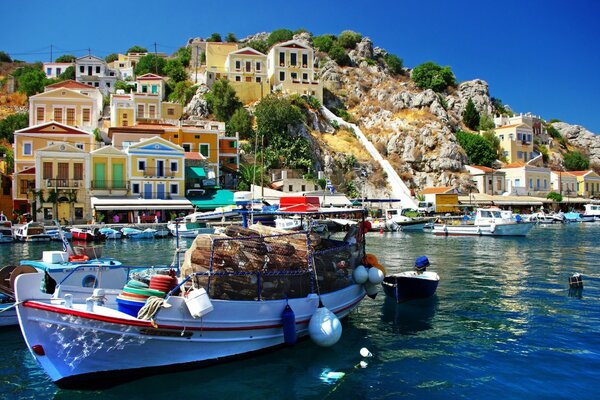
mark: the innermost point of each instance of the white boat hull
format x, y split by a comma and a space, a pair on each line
78, 345
511, 229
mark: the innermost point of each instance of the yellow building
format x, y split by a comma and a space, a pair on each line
145, 105
290, 67
247, 73
527, 180
109, 172
68, 102
216, 58
155, 168
516, 142
588, 183
6, 205
62, 180
564, 183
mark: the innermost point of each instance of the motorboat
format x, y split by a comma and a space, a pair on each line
161, 231
56, 232
415, 284
31, 232
293, 223
77, 274
490, 221
189, 227
111, 233
6, 230
592, 210
134, 233
247, 290
397, 220
87, 234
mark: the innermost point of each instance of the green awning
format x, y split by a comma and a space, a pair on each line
213, 199
197, 172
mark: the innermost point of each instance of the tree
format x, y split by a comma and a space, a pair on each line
184, 55
273, 116
13, 123
324, 42
66, 58
557, 197
231, 38
111, 57
494, 141
348, 39
8, 156
250, 174
223, 100
471, 115
240, 122
479, 150
394, 63
125, 86
175, 70
279, 35
32, 81
259, 45
4, 57
576, 161
183, 92
215, 37
136, 49
68, 74
338, 54
150, 63
431, 76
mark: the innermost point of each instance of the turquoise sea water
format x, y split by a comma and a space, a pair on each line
502, 324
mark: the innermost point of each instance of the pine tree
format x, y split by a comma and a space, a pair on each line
471, 116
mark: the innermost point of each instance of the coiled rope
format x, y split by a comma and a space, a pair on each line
149, 310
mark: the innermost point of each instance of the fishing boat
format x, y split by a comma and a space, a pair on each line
490, 221
6, 230
397, 220
55, 234
111, 233
416, 284
189, 228
87, 234
31, 232
247, 290
592, 211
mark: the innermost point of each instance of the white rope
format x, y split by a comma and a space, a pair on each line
16, 303
149, 310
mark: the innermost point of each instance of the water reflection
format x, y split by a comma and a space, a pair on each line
409, 317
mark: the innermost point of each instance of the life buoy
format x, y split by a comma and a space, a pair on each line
78, 258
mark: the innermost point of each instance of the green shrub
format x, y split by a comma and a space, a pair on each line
348, 39
478, 149
279, 35
471, 115
394, 63
338, 54
324, 42
259, 45
431, 76
576, 161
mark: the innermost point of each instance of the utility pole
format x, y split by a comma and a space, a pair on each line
155, 60
196, 69
50, 52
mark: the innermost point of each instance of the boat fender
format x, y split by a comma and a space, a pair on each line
324, 328
288, 319
375, 276
492, 227
371, 289
78, 258
360, 274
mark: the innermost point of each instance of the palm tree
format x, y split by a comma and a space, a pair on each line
249, 174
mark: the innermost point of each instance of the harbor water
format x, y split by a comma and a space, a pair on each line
503, 324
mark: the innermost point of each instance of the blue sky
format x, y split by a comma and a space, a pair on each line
537, 56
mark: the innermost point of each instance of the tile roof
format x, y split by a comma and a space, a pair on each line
436, 190
511, 126
516, 164
69, 84
482, 168
579, 173
193, 155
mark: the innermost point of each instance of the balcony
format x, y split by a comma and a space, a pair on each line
154, 195
152, 172
63, 183
109, 185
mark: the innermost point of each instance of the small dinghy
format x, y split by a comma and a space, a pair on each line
416, 284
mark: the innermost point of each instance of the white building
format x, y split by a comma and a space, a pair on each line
94, 71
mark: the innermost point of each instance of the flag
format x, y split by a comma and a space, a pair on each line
329, 186
65, 243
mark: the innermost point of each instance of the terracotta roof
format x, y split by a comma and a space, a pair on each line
193, 155
511, 126
482, 168
69, 84
53, 128
517, 164
149, 77
436, 190
579, 173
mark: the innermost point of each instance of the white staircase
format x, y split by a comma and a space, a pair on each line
399, 188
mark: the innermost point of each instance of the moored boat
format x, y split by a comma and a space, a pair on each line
134, 233
87, 234
231, 302
111, 233
31, 232
490, 221
416, 284
6, 230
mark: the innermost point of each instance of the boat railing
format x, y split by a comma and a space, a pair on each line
99, 266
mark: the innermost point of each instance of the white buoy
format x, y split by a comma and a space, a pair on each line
375, 276
363, 364
371, 289
324, 328
365, 352
360, 274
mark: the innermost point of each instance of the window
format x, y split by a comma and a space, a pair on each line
537, 183
294, 76
238, 78
248, 66
530, 183
187, 147
204, 149
135, 188
96, 84
281, 76
290, 188
47, 213
58, 114
144, 88
86, 115
152, 111
305, 76
304, 60
78, 171
511, 136
39, 115
174, 166
47, 170
303, 188
174, 189
155, 89
501, 137
519, 136
293, 59
49, 71
140, 111
141, 165
27, 148
97, 69
258, 80
70, 116
238, 64
82, 69
545, 184
107, 84
519, 154
281, 58
258, 66
63, 171
170, 111
248, 79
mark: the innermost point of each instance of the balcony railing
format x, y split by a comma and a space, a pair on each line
159, 172
109, 185
154, 195
63, 183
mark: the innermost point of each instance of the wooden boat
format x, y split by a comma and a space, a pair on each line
231, 302
490, 221
416, 284
87, 234
32, 232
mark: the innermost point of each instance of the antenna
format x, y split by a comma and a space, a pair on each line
155, 60
50, 52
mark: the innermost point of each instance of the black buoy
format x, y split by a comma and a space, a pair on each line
576, 281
